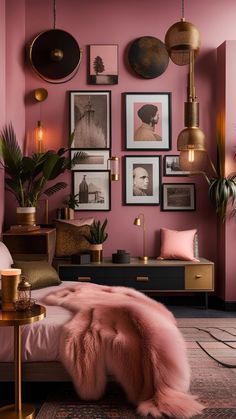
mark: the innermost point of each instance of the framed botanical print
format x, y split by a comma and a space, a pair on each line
148, 121
178, 197
90, 119
93, 160
142, 180
103, 64
93, 189
171, 166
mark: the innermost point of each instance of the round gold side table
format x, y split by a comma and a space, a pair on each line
19, 410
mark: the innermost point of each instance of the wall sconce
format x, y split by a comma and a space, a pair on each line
39, 133
140, 221
113, 164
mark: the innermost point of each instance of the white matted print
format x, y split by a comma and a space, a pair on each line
90, 119
178, 197
93, 189
94, 160
148, 121
142, 180
172, 166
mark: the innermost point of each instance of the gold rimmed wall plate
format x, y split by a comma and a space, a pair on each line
148, 57
40, 94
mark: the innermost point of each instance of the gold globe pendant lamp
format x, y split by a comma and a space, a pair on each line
181, 38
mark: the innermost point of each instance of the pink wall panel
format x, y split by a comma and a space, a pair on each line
2, 97
106, 21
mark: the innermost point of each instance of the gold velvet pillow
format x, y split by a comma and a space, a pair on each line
70, 236
39, 273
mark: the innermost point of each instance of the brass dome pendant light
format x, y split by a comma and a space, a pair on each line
55, 54
183, 43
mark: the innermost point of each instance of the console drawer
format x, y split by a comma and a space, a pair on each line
199, 277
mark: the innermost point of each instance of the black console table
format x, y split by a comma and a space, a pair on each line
152, 277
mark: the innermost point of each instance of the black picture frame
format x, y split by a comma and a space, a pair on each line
143, 112
97, 195
90, 119
178, 197
171, 166
142, 180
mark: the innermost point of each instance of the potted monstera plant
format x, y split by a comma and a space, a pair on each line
30, 177
96, 237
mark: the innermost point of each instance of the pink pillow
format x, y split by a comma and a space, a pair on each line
177, 244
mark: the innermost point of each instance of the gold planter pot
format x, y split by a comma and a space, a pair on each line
96, 252
26, 216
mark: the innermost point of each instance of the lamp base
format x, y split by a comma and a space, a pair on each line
9, 412
144, 258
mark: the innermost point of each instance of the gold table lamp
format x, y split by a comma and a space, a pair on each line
140, 222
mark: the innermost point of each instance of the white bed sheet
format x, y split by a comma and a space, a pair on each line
39, 340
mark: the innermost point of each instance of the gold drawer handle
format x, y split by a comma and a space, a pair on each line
198, 276
142, 278
84, 278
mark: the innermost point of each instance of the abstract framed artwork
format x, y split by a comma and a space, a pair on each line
90, 119
93, 189
142, 180
178, 197
148, 121
93, 160
171, 166
103, 64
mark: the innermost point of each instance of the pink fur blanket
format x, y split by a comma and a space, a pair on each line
121, 332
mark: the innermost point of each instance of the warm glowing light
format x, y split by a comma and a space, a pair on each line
191, 155
39, 136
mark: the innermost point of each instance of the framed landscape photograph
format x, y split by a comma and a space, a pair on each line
93, 189
178, 197
142, 180
90, 119
94, 160
148, 121
103, 64
171, 166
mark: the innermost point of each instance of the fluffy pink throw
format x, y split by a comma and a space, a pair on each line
121, 332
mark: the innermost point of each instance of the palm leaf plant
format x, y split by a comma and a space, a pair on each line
27, 177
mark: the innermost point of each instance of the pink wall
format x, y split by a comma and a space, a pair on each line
2, 97
120, 23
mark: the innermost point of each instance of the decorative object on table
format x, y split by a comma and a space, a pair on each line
81, 258
24, 301
121, 256
96, 237
171, 166
40, 96
10, 281
55, 54
180, 245
71, 202
178, 197
27, 176
94, 190
90, 119
103, 64
70, 236
148, 57
140, 222
148, 121
142, 180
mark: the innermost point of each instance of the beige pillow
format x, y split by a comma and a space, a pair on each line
70, 236
39, 273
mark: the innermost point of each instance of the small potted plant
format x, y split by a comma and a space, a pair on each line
96, 238
71, 203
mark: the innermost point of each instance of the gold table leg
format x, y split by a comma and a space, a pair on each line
17, 410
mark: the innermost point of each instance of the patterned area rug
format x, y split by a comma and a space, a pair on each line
212, 381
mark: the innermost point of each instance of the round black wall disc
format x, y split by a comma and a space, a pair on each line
54, 55
148, 57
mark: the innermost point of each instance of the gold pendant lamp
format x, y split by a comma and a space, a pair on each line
183, 42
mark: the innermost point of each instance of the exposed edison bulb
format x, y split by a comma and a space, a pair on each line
39, 136
191, 155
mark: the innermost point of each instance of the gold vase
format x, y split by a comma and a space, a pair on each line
96, 252
10, 282
26, 216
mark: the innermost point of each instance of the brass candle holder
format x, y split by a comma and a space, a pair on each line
10, 282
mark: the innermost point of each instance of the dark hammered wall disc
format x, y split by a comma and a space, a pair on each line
54, 54
148, 57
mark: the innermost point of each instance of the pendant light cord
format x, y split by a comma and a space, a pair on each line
54, 14
182, 18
